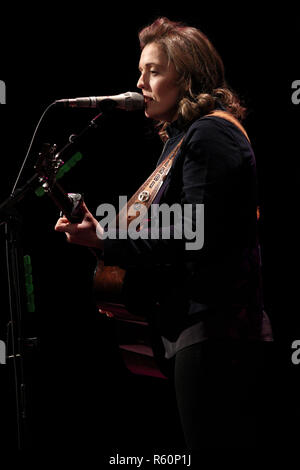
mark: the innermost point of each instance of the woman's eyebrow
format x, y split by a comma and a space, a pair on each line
149, 64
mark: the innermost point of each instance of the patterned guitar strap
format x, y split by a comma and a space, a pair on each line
144, 196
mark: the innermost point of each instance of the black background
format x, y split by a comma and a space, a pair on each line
78, 392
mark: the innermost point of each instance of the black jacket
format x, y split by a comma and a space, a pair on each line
218, 285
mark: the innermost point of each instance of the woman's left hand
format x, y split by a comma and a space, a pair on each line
87, 232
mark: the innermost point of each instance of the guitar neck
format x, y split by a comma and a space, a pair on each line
69, 204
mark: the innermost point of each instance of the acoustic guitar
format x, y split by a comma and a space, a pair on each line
133, 330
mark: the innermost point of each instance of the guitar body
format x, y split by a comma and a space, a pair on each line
132, 329
108, 282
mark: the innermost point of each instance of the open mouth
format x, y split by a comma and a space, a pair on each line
147, 99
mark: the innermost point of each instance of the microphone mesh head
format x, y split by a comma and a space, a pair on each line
134, 101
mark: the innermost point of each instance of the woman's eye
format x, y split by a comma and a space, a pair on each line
153, 72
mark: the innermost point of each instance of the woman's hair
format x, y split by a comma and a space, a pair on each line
199, 66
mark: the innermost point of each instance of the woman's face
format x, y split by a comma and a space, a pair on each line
158, 82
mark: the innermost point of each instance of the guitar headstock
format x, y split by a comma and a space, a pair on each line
47, 166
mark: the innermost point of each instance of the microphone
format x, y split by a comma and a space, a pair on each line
130, 101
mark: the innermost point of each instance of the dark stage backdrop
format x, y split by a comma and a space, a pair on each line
78, 391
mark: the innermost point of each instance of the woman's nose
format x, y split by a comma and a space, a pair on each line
140, 82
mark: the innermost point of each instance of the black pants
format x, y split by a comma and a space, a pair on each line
222, 396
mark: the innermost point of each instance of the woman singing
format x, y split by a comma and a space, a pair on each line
207, 298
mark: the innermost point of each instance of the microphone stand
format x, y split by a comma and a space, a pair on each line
12, 221
11, 218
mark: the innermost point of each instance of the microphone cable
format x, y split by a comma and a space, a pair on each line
29, 148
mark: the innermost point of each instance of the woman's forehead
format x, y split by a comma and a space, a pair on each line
152, 54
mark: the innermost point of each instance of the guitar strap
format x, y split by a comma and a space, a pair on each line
231, 118
144, 196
